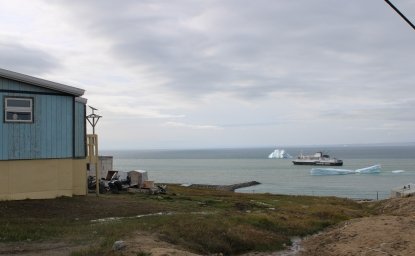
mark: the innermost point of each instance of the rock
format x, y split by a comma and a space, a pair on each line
118, 245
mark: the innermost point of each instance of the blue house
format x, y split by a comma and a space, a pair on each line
42, 138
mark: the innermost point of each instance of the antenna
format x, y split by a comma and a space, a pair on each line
93, 118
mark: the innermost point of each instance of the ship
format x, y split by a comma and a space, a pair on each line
317, 159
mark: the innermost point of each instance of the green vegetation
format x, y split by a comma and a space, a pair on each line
199, 220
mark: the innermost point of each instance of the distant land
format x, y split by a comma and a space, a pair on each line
382, 144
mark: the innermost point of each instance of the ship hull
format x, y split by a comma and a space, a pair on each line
328, 163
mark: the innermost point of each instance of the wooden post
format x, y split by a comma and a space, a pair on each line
93, 157
97, 165
93, 145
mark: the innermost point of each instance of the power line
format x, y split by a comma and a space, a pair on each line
400, 14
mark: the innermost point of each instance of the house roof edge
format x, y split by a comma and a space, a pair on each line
41, 82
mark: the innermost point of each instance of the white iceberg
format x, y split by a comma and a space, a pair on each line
398, 171
370, 169
330, 171
279, 154
335, 171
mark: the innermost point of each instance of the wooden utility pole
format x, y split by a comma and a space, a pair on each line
93, 146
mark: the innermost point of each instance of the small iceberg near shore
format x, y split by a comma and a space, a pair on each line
279, 154
370, 169
330, 171
335, 171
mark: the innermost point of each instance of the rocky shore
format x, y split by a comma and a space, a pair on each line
226, 187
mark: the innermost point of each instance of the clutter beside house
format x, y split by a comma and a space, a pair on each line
105, 164
135, 181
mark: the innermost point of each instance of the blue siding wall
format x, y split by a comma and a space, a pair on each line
80, 129
49, 136
58, 130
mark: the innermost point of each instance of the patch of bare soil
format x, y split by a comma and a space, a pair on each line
39, 249
80, 207
143, 242
138, 242
390, 233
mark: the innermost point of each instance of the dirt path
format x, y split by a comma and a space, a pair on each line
144, 242
39, 249
138, 242
391, 233
381, 235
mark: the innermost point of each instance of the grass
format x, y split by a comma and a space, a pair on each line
143, 253
200, 220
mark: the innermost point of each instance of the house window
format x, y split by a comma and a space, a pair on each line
18, 110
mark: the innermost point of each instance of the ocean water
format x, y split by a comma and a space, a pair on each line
277, 176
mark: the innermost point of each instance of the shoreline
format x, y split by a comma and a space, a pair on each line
232, 187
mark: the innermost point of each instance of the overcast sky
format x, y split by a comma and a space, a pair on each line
224, 73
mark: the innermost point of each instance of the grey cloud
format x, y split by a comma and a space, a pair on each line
394, 111
24, 59
299, 46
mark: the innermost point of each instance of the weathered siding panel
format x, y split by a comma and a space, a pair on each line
52, 112
49, 136
58, 145
80, 129
1, 132
69, 122
43, 138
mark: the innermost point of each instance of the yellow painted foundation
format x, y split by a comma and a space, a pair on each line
40, 179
